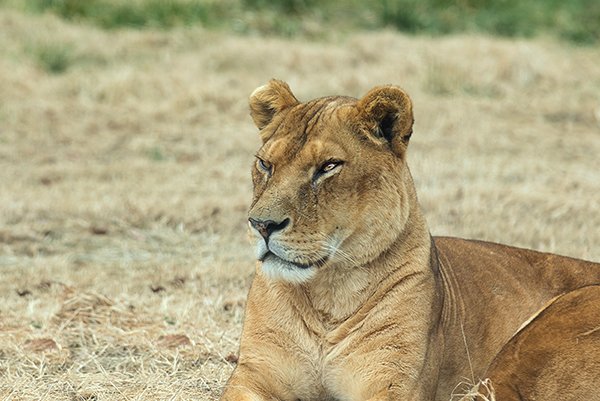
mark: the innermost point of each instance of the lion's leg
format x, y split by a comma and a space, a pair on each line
243, 387
234, 393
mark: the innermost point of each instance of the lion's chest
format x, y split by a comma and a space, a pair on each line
321, 372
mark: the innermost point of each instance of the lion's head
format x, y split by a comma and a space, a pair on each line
330, 179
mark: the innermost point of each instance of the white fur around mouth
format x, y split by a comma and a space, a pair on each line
279, 269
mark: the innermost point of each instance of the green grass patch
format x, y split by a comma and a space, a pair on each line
156, 154
574, 20
135, 13
59, 57
54, 58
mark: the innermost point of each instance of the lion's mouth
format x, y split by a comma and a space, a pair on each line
318, 263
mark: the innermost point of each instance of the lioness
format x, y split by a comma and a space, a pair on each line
352, 298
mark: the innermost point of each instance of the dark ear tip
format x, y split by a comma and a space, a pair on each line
406, 138
386, 125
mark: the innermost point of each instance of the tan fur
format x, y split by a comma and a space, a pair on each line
354, 300
556, 356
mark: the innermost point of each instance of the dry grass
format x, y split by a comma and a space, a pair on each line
124, 183
482, 391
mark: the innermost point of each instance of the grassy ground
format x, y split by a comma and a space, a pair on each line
574, 20
124, 182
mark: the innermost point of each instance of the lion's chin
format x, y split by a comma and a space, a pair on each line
278, 269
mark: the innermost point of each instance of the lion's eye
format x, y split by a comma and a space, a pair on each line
265, 166
328, 166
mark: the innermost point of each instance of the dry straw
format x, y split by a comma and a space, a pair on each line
482, 391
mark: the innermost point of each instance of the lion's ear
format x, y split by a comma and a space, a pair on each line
387, 111
270, 99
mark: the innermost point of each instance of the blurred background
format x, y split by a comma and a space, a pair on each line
126, 145
575, 20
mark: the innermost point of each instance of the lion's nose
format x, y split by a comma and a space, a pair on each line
268, 227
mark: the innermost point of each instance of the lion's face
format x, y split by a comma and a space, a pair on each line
328, 179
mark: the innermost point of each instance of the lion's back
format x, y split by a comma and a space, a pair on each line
490, 291
556, 356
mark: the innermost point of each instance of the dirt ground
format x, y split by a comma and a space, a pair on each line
124, 183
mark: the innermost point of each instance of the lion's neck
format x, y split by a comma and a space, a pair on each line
337, 294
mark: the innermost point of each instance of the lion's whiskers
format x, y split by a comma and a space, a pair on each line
332, 247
